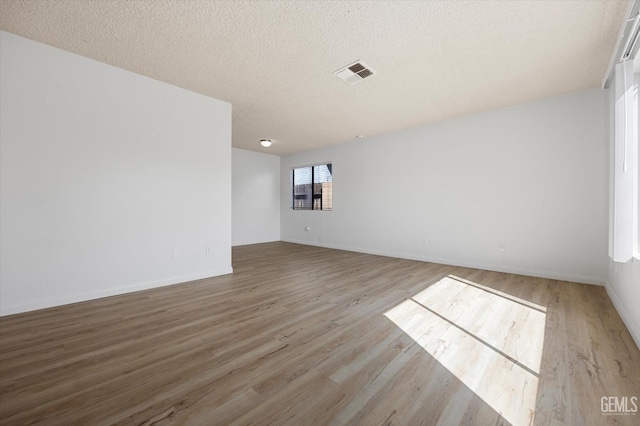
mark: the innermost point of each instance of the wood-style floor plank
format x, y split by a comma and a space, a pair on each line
307, 335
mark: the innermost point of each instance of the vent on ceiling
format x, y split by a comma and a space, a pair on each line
355, 72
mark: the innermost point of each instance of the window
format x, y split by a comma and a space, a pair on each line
312, 187
623, 76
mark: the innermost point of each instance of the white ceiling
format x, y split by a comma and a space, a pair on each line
273, 60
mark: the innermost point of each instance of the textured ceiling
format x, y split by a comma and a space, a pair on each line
273, 60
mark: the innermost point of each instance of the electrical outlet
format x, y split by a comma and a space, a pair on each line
424, 241
176, 253
502, 247
207, 249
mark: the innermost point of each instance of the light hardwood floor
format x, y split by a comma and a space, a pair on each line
304, 335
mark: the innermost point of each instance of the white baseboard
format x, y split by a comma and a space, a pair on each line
246, 243
634, 329
59, 301
583, 279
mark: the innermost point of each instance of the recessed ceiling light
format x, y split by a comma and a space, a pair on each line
265, 142
359, 136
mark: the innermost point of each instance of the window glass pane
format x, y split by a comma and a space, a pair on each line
302, 188
322, 190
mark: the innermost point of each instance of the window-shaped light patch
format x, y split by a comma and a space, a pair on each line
491, 341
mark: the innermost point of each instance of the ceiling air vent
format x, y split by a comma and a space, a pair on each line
355, 72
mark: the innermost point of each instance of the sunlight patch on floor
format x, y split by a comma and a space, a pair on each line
491, 341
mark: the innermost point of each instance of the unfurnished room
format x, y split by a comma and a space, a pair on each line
319, 212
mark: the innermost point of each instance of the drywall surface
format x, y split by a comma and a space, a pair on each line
110, 182
256, 197
521, 189
623, 286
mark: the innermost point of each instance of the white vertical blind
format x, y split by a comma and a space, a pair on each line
637, 177
625, 203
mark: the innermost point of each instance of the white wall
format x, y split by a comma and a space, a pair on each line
531, 177
623, 286
256, 197
103, 174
